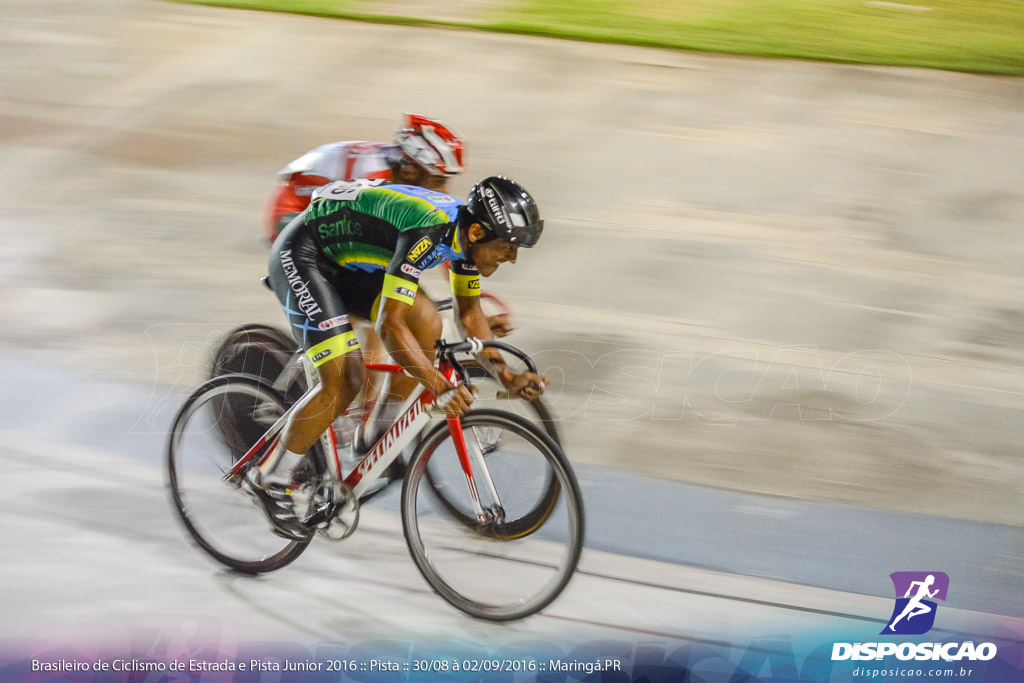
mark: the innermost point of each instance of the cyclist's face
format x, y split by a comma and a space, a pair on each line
490, 254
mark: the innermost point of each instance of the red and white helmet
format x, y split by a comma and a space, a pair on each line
431, 145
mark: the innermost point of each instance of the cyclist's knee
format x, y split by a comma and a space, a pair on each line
354, 377
342, 378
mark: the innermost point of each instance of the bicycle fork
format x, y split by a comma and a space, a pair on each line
494, 512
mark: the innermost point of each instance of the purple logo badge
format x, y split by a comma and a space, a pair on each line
914, 612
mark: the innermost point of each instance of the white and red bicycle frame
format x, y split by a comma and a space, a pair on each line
414, 417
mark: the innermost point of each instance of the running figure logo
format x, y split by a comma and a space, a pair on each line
914, 614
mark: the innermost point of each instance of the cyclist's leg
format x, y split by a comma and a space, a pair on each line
341, 379
361, 290
373, 352
319, 322
362, 298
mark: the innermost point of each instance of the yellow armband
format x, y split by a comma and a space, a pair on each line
464, 285
399, 289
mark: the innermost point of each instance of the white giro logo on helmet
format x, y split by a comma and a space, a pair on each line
496, 209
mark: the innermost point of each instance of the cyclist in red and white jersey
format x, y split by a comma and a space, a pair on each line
425, 152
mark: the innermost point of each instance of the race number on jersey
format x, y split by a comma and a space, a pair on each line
344, 190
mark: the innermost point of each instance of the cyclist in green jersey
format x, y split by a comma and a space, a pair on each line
359, 251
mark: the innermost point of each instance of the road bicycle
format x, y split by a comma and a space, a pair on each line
268, 352
485, 525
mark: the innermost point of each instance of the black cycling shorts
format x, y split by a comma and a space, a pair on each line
318, 295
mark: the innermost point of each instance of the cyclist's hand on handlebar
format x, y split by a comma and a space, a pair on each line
527, 386
459, 404
501, 324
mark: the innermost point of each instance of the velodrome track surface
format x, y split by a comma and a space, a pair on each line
776, 278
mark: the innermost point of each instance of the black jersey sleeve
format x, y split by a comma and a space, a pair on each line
413, 252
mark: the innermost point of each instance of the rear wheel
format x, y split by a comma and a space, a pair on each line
258, 350
496, 567
218, 514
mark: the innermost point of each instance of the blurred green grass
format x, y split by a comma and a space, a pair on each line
983, 36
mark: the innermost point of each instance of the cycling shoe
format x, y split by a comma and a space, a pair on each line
275, 500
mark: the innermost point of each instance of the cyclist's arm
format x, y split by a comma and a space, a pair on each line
465, 284
401, 284
403, 347
394, 329
473, 323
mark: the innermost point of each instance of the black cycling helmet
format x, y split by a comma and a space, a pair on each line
506, 210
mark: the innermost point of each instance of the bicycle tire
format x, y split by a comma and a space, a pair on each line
214, 388
258, 350
550, 492
264, 351
417, 520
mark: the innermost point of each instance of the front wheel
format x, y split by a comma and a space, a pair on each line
213, 429
494, 568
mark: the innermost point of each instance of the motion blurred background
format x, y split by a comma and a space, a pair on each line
779, 277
